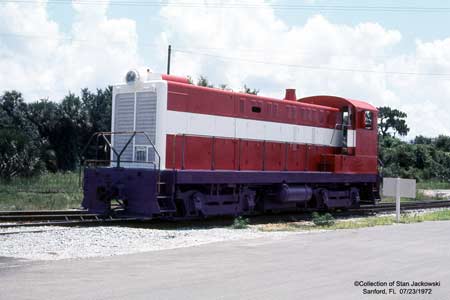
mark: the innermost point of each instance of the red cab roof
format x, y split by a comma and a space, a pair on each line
338, 102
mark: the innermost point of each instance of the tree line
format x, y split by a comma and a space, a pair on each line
49, 136
46, 135
423, 158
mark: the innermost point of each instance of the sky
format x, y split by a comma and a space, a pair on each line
388, 53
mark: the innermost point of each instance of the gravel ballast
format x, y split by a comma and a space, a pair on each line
54, 243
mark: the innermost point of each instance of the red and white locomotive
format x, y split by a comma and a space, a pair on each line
180, 150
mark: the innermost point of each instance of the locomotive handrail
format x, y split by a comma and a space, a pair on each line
108, 161
103, 134
124, 147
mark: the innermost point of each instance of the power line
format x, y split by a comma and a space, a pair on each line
323, 68
195, 49
70, 39
192, 51
295, 51
337, 8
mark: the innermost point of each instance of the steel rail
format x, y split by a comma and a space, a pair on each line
10, 219
404, 205
92, 222
42, 212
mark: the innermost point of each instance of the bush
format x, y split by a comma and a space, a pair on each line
240, 223
19, 139
323, 220
19, 156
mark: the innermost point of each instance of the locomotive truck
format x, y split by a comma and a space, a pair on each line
178, 150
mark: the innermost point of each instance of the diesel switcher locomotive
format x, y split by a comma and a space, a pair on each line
178, 150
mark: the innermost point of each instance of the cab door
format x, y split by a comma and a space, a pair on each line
346, 116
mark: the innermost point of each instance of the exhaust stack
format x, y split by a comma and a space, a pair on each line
290, 95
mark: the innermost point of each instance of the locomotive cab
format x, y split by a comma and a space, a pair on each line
358, 152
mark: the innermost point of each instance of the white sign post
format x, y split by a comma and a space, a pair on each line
397, 199
398, 187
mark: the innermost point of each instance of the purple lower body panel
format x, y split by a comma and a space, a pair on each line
133, 190
266, 177
193, 193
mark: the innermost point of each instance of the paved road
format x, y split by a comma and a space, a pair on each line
319, 265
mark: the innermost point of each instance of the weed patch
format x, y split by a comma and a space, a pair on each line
240, 223
48, 191
441, 215
323, 220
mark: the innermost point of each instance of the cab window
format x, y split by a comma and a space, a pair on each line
368, 120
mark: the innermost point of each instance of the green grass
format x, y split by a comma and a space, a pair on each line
48, 191
433, 185
420, 195
443, 215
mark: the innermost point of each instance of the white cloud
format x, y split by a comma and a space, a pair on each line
259, 35
424, 98
39, 60
104, 48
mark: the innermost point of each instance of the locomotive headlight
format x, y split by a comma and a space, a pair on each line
132, 76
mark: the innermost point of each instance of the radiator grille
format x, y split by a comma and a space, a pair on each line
146, 121
143, 119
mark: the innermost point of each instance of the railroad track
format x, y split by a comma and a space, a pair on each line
81, 217
59, 218
385, 207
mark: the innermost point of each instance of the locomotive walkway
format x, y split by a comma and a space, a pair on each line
315, 265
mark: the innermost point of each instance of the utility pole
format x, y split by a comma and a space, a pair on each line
169, 54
